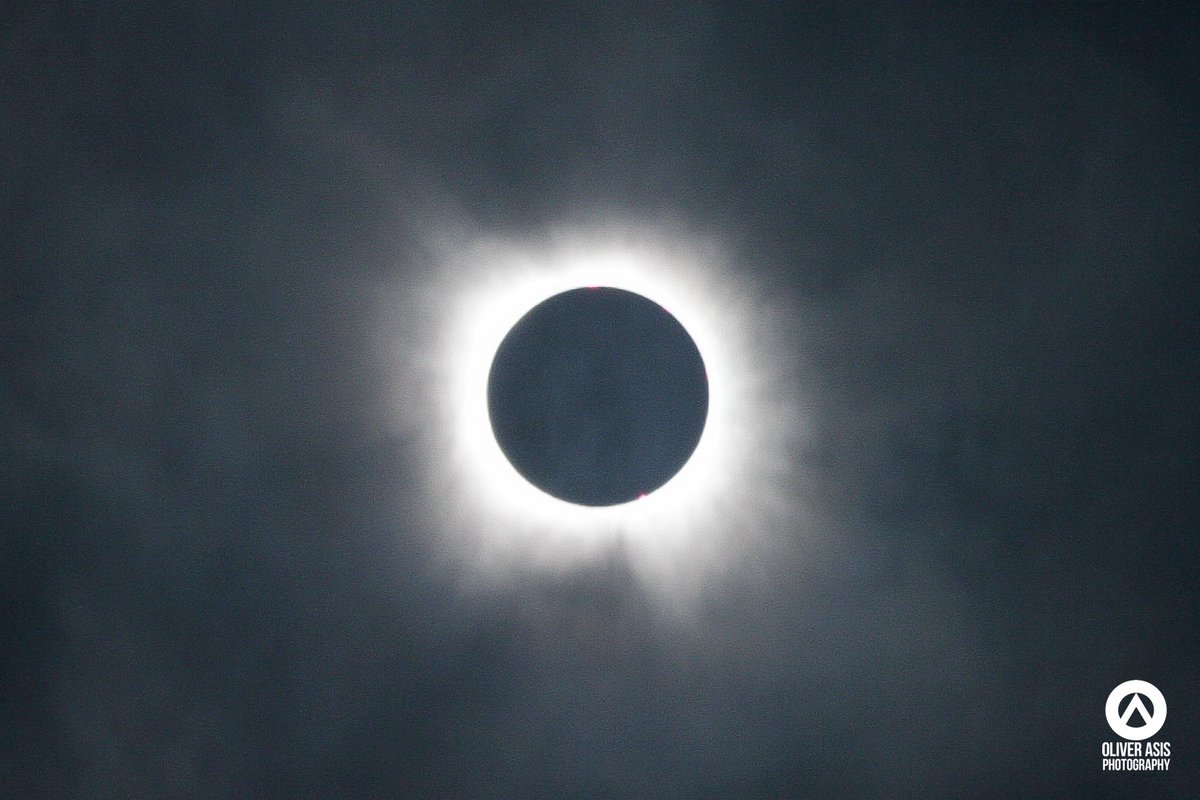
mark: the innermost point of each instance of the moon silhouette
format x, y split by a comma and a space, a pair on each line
597, 396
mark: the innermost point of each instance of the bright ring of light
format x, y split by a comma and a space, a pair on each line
730, 494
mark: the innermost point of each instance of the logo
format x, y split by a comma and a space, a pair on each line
1136, 710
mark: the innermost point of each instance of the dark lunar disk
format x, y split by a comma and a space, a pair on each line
598, 396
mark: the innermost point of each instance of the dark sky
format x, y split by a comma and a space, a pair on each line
218, 580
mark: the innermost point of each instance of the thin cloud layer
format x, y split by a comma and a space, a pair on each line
222, 572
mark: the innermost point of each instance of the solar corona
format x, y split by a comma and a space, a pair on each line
580, 390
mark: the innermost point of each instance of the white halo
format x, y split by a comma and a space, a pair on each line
735, 490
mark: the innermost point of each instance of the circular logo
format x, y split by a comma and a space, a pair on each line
1136, 710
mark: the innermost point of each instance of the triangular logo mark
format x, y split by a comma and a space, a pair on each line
1136, 705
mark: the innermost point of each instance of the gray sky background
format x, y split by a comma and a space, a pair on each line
989, 216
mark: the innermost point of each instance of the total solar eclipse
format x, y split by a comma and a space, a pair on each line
597, 396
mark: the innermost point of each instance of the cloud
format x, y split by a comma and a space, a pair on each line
221, 580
